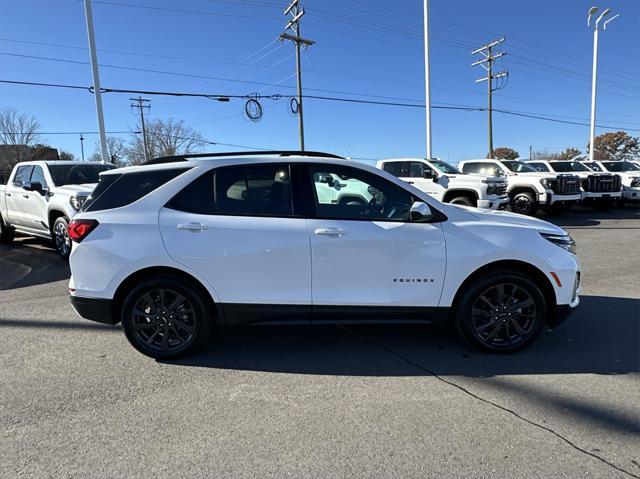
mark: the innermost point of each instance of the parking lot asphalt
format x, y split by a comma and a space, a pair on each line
77, 401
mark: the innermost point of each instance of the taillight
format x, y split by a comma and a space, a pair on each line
79, 229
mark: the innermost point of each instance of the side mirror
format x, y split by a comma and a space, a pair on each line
33, 186
420, 212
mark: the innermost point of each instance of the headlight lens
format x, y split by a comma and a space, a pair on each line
77, 202
564, 241
545, 182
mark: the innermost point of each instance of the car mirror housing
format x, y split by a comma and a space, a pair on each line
420, 212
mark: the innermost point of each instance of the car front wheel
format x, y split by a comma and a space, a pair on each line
7, 234
524, 203
61, 238
502, 312
165, 318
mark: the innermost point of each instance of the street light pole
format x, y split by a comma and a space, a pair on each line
594, 72
427, 77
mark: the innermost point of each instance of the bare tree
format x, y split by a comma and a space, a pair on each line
116, 149
66, 155
18, 128
165, 138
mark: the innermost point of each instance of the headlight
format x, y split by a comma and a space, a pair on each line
546, 182
77, 202
564, 241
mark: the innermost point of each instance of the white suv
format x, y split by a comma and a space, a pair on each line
448, 184
188, 245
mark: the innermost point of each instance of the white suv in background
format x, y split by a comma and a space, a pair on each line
528, 189
448, 184
628, 171
177, 249
601, 187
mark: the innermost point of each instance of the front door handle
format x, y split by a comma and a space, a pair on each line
25, 196
193, 227
330, 232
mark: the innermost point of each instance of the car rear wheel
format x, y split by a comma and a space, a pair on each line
165, 318
7, 234
61, 238
524, 203
502, 312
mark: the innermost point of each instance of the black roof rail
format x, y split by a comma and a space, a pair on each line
172, 159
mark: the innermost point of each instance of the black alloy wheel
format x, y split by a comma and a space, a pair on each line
165, 319
61, 238
502, 313
524, 204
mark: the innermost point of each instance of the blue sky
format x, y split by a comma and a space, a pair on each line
365, 49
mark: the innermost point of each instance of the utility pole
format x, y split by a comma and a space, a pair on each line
592, 12
82, 146
486, 62
427, 78
141, 104
296, 11
96, 79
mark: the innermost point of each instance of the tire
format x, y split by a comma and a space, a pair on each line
182, 322
524, 203
60, 236
462, 200
501, 324
7, 233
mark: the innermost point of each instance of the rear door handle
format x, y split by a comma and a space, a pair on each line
330, 232
193, 227
7, 194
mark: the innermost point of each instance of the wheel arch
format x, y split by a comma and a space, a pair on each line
130, 281
523, 189
450, 194
539, 277
53, 214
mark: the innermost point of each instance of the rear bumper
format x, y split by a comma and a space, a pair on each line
93, 309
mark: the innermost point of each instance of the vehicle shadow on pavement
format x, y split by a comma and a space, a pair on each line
601, 337
592, 216
28, 262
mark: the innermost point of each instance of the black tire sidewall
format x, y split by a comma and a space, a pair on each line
203, 317
533, 203
463, 313
7, 233
60, 219
465, 201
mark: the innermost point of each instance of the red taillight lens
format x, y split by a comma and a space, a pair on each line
79, 229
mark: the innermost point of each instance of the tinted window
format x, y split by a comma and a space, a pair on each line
196, 197
114, 191
568, 166
393, 167
416, 169
22, 174
594, 166
445, 167
619, 166
352, 194
38, 176
256, 190
540, 166
484, 168
518, 166
77, 174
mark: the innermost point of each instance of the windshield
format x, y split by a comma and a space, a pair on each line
77, 174
620, 166
445, 167
518, 166
593, 165
565, 166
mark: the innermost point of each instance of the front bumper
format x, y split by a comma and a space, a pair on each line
629, 193
552, 198
590, 195
93, 309
494, 203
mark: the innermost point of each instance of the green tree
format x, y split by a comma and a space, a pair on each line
504, 153
617, 145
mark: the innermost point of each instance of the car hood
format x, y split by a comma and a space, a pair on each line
512, 219
85, 188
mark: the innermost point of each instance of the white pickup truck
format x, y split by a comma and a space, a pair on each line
448, 184
600, 187
41, 197
628, 171
529, 189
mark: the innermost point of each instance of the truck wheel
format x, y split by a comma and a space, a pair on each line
7, 233
462, 200
502, 312
524, 203
165, 318
60, 235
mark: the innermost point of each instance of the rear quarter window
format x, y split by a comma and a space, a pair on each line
115, 191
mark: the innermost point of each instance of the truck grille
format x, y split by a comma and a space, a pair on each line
566, 185
501, 189
602, 183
